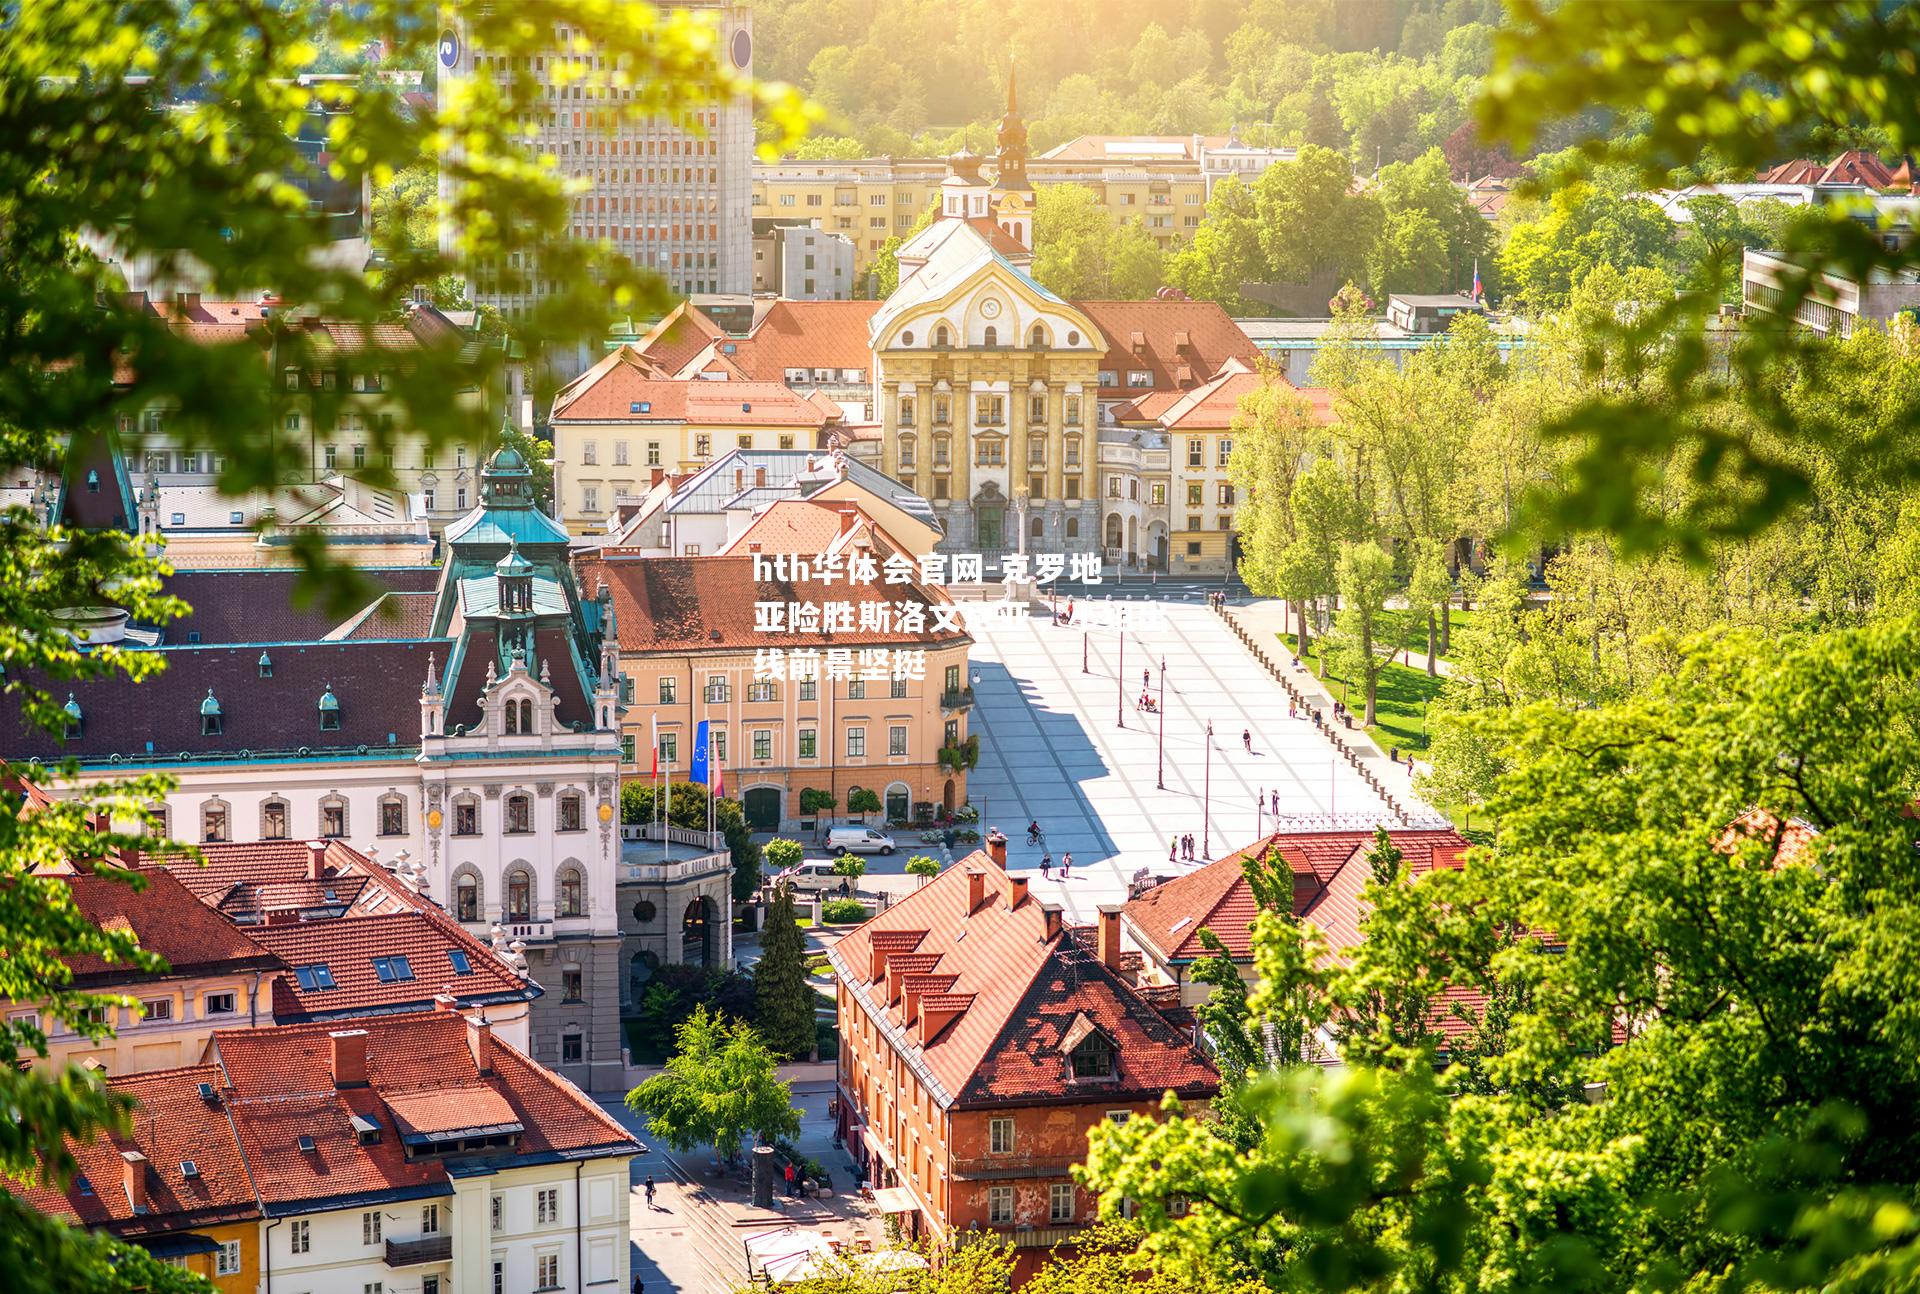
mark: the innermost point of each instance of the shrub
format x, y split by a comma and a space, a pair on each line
850, 865
923, 865
782, 854
841, 912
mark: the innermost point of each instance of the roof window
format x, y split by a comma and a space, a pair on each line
211, 720
329, 710
266, 665
392, 969
461, 966
315, 977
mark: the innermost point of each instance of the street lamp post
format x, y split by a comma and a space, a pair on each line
1163, 723
1206, 801
1083, 653
1259, 812
1120, 683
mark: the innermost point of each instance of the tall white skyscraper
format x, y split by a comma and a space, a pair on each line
673, 200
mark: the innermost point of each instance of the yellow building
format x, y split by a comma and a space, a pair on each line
987, 384
620, 425
691, 643
1164, 180
217, 978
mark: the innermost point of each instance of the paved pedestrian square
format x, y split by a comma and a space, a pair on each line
1053, 749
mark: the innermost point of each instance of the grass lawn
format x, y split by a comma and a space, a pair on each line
1400, 700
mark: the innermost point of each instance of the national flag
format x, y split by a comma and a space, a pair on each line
1478, 291
656, 747
719, 778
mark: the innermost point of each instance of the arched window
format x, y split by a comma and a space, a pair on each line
275, 822
393, 815
526, 716
466, 897
333, 817
466, 816
572, 811
519, 815
216, 822
1037, 527
941, 337
1073, 337
510, 718
519, 895
1038, 337
907, 451
906, 338
1073, 527
329, 710
990, 336
572, 902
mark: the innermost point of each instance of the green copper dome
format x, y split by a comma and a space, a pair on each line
210, 706
328, 701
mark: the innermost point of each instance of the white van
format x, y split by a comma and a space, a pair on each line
858, 840
816, 874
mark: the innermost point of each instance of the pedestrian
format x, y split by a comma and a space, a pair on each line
1293, 711
1246, 739
1146, 680
1066, 866
1173, 849
1276, 803
649, 1190
1046, 866
639, 1286
790, 1191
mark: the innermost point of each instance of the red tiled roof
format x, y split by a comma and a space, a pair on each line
230, 606
171, 1126
1018, 991
680, 336
614, 395
795, 526
1855, 166
281, 1088
682, 604
167, 919
347, 945
1216, 897
1148, 407
1182, 343
806, 334
1212, 407
451, 1109
264, 866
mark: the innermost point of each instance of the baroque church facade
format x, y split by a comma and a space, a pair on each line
985, 383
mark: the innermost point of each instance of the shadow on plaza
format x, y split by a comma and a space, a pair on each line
1055, 753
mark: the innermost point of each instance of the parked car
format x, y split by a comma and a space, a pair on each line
816, 874
859, 840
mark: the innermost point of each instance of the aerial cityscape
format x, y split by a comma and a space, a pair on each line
869, 647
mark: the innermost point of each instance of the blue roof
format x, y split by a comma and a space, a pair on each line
507, 527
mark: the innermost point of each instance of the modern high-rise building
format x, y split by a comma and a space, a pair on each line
671, 198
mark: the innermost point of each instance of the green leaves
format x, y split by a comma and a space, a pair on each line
718, 1088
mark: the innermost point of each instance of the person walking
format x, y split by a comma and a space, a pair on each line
1146, 681
1275, 803
1046, 866
789, 1181
649, 1190
1173, 849
1246, 739
1066, 866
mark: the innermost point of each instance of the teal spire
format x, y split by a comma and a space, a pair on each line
209, 708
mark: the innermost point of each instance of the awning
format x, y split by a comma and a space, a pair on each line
895, 1199
178, 1246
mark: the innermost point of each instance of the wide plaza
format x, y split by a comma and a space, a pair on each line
1070, 748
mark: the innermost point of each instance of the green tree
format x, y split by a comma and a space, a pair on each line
1328, 517
209, 189
781, 855
1224, 254
718, 1088
1431, 236
1579, 227
1310, 219
539, 455
1071, 229
885, 270
406, 209
1429, 590
687, 806
783, 998
1275, 432
863, 800
851, 866
1366, 633
925, 866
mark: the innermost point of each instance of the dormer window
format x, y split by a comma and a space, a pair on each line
211, 720
266, 665
329, 711
93, 482
74, 719
518, 716
1093, 1058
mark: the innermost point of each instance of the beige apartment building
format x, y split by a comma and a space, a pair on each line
620, 426
688, 647
1164, 180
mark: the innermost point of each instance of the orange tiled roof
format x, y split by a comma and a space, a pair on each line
805, 334
1216, 897
798, 526
1019, 990
171, 1126
624, 393
1212, 407
347, 945
1182, 343
680, 336
280, 1087
167, 919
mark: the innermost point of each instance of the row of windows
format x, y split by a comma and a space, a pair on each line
276, 817
806, 743
988, 448
990, 410
1197, 451
1156, 490
942, 488
569, 898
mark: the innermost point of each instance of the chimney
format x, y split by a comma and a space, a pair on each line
316, 859
847, 519
997, 848
976, 889
134, 1173
349, 1057
1016, 891
445, 1001
480, 1042
1051, 911
1110, 936
659, 475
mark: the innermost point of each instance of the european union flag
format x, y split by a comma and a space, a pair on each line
697, 772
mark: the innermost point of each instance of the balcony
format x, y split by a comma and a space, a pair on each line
415, 1253
960, 700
